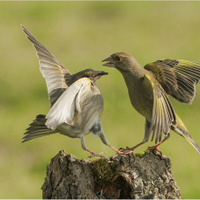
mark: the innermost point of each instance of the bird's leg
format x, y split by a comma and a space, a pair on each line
132, 148
94, 154
156, 146
117, 152
105, 141
82, 140
113, 148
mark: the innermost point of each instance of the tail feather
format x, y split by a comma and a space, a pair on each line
189, 138
182, 131
37, 129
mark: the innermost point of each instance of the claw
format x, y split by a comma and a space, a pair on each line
155, 147
124, 153
131, 149
118, 153
122, 149
95, 154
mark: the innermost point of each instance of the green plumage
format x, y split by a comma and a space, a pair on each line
177, 77
149, 88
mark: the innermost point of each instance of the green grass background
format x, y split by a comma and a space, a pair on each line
80, 35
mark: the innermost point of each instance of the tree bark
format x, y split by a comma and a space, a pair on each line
144, 176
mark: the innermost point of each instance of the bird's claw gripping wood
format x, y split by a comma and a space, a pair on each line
122, 149
156, 147
123, 153
119, 153
95, 154
126, 151
132, 148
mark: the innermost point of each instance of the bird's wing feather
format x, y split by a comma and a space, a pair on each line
92, 108
163, 115
177, 77
63, 110
51, 68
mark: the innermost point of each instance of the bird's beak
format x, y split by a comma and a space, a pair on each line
110, 62
99, 74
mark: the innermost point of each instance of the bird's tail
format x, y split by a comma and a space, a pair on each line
189, 138
182, 130
37, 129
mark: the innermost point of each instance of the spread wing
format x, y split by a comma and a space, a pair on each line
177, 77
163, 115
51, 68
68, 103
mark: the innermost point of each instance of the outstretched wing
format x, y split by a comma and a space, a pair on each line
163, 115
51, 68
177, 77
63, 111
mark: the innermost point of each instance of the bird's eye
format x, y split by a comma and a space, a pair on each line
118, 58
160, 61
87, 75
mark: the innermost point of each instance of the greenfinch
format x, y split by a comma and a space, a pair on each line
149, 88
76, 104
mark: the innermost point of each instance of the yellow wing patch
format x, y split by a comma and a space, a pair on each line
163, 115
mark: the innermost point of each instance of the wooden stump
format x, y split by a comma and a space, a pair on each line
144, 176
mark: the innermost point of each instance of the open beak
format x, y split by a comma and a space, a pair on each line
109, 61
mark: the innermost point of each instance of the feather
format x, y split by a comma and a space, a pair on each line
51, 68
163, 115
64, 109
177, 77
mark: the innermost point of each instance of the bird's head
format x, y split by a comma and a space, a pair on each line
121, 61
87, 73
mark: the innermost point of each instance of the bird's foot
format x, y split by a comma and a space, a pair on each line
123, 153
132, 148
117, 152
95, 154
127, 149
155, 147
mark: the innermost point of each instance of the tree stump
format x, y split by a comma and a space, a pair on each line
143, 176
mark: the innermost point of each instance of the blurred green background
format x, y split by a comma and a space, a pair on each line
80, 35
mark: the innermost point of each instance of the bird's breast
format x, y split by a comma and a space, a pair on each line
91, 109
140, 98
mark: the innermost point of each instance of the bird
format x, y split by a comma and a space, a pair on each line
149, 88
76, 103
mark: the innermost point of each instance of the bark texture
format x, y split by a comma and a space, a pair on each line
144, 176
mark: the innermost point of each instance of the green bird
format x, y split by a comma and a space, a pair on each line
75, 100
149, 88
